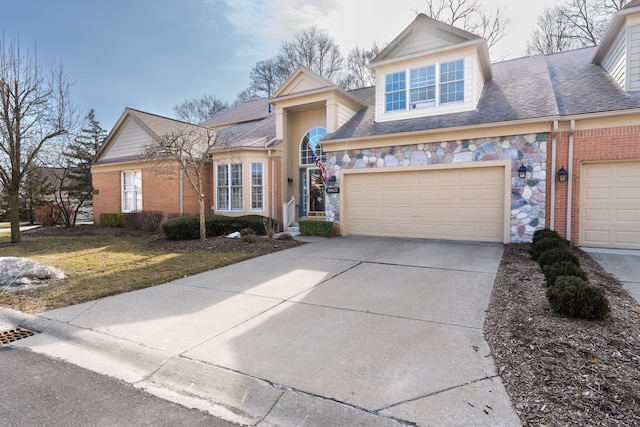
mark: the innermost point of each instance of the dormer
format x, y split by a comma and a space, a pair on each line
431, 68
619, 50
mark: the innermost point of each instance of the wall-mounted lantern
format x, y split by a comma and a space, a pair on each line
290, 180
562, 174
522, 171
95, 191
332, 180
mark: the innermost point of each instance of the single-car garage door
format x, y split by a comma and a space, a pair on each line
610, 208
455, 204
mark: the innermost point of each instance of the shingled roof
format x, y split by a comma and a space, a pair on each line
534, 87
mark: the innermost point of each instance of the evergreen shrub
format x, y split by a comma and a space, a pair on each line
574, 296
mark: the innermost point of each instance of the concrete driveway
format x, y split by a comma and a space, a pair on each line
344, 331
622, 264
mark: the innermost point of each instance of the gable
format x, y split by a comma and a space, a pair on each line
424, 36
300, 81
127, 142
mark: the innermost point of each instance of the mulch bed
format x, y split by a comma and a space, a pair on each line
562, 371
157, 241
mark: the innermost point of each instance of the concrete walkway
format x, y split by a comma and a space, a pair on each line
341, 332
622, 264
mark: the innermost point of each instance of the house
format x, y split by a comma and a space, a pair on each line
447, 145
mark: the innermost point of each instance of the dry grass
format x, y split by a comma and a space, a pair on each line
99, 266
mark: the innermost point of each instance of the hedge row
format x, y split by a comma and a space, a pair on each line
309, 227
188, 226
142, 220
569, 291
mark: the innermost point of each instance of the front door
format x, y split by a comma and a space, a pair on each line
312, 193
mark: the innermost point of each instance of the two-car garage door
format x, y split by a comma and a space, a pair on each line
610, 205
456, 204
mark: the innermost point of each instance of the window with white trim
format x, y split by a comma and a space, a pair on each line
428, 86
257, 186
452, 82
311, 142
131, 184
229, 187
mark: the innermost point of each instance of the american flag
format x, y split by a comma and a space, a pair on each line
323, 171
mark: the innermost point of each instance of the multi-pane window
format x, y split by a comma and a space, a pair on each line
422, 84
452, 82
131, 191
310, 142
257, 187
428, 86
395, 91
229, 187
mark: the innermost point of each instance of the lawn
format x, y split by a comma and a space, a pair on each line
99, 266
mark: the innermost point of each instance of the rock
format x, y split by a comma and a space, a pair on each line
234, 235
24, 271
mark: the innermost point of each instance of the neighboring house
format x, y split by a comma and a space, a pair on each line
435, 149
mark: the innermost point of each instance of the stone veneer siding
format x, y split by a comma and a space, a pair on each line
527, 195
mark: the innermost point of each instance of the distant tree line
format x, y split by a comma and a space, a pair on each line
572, 24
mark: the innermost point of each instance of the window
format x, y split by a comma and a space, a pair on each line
422, 92
257, 187
452, 82
395, 91
131, 191
309, 143
229, 187
428, 86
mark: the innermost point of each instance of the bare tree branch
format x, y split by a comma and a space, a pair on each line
34, 110
187, 151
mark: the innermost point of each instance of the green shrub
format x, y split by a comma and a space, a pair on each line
575, 297
556, 255
562, 268
543, 245
544, 233
182, 228
116, 219
188, 227
317, 228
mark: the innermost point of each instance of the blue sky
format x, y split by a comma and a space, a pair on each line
154, 54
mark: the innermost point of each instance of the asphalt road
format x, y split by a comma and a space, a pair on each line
36, 390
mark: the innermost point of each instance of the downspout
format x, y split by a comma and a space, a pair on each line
181, 192
552, 208
273, 164
570, 180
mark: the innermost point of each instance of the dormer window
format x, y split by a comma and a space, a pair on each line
429, 86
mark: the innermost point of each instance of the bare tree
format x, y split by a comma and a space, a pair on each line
198, 110
34, 110
312, 48
471, 16
576, 23
357, 73
552, 33
186, 151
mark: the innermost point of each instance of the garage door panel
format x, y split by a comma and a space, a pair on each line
610, 205
460, 204
628, 193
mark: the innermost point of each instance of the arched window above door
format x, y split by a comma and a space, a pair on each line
310, 142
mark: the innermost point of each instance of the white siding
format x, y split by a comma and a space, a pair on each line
616, 60
633, 56
479, 83
344, 114
129, 143
472, 76
423, 42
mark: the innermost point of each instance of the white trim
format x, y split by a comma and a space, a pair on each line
135, 194
251, 208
